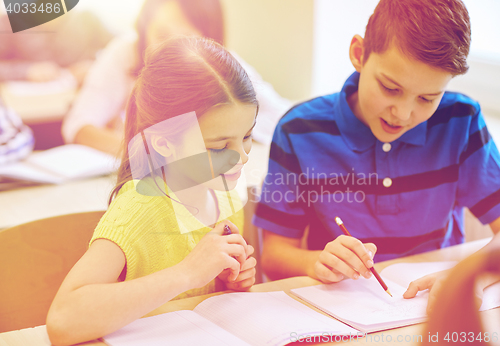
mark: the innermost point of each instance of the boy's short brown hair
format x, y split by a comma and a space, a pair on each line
435, 32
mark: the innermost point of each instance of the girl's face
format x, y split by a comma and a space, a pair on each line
228, 127
169, 21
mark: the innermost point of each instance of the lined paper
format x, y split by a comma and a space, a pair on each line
268, 318
178, 328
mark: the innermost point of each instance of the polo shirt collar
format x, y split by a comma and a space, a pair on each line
357, 135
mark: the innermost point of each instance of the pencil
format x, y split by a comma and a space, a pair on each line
227, 230
372, 269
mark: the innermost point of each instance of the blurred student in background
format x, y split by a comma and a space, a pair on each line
96, 117
16, 139
38, 54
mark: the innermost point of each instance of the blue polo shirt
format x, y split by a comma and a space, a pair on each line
406, 196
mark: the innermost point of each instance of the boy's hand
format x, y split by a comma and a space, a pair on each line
215, 253
344, 257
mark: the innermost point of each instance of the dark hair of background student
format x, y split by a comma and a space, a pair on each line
205, 15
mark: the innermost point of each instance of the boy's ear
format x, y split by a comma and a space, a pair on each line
356, 51
162, 146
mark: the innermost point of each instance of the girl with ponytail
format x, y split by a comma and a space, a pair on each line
187, 136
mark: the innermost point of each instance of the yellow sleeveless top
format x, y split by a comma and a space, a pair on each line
155, 232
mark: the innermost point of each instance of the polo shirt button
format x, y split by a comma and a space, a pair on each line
387, 182
386, 147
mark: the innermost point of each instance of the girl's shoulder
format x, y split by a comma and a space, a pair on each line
133, 207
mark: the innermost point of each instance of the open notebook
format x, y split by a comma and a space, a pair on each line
249, 318
59, 165
364, 305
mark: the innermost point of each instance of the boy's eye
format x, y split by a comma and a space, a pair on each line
426, 100
389, 90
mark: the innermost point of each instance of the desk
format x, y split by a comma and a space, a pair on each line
38, 202
43, 108
38, 336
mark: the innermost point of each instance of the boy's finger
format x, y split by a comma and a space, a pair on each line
356, 246
325, 274
337, 264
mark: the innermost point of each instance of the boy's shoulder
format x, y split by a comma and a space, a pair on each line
320, 108
453, 105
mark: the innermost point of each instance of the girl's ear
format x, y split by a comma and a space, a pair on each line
162, 146
356, 51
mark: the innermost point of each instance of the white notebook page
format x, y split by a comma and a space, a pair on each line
268, 318
404, 273
179, 328
364, 302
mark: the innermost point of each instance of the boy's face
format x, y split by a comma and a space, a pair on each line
396, 93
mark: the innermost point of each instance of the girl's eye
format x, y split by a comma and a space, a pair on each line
217, 150
247, 137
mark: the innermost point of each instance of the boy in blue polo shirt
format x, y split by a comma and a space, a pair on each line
393, 155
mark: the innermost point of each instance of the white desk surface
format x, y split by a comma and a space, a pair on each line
38, 202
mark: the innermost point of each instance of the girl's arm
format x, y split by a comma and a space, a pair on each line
91, 303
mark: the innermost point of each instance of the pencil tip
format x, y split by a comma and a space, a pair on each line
338, 220
388, 292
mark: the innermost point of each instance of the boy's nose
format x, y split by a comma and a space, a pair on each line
402, 111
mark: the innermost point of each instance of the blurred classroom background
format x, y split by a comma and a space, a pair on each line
301, 46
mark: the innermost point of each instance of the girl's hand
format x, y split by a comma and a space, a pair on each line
344, 257
215, 253
246, 277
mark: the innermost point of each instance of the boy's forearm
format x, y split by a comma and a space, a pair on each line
93, 311
287, 261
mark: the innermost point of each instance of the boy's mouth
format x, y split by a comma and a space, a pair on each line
390, 128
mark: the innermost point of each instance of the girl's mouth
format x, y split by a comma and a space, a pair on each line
232, 177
